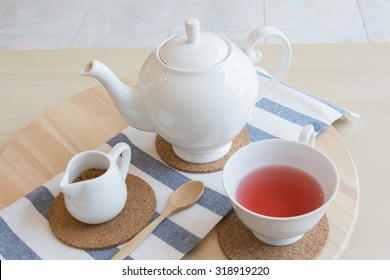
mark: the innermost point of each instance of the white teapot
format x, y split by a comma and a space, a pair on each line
197, 90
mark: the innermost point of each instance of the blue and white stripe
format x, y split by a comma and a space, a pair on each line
25, 231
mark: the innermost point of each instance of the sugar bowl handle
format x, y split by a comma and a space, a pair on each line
307, 135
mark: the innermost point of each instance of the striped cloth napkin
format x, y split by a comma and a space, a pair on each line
24, 227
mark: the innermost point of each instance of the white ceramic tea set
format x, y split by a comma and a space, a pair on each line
198, 90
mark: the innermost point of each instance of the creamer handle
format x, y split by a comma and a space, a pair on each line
116, 151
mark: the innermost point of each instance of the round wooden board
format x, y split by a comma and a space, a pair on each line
88, 119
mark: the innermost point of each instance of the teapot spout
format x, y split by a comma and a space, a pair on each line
126, 98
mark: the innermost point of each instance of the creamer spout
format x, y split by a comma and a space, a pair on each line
68, 188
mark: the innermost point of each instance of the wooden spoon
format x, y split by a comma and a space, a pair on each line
183, 197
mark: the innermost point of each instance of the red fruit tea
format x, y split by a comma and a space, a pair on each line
279, 191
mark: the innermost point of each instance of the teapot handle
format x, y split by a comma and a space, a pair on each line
116, 151
256, 55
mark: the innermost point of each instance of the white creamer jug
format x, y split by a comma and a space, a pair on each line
100, 199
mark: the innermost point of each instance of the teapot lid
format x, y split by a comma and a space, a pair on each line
194, 50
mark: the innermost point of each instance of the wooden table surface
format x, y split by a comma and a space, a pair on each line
354, 76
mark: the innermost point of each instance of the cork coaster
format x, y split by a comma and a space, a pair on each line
137, 213
238, 242
167, 154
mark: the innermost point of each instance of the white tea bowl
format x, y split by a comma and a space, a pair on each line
281, 231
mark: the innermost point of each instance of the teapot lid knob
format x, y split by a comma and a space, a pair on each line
192, 30
194, 50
